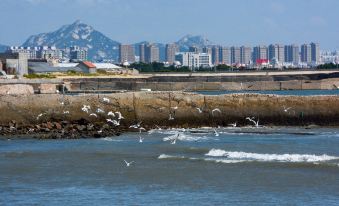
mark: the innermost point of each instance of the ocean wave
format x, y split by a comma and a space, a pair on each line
270, 157
110, 139
186, 137
165, 156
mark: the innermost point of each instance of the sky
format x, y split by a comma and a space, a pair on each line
225, 22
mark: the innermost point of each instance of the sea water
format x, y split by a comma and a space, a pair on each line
241, 166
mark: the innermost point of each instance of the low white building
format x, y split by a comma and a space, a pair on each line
194, 60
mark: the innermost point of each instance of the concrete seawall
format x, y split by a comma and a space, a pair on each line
155, 107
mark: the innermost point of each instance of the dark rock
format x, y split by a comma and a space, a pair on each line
81, 127
58, 126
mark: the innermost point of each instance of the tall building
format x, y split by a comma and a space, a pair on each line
315, 52
142, 48
151, 53
49, 52
215, 55
126, 53
194, 49
194, 60
207, 50
225, 55
276, 52
292, 53
260, 53
77, 54
235, 55
245, 55
171, 50
306, 53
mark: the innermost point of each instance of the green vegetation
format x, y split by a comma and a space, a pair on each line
39, 76
157, 67
328, 66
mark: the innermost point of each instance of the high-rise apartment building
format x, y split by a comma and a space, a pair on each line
306, 53
260, 53
235, 55
245, 55
225, 55
194, 60
151, 53
171, 50
207, 50
77, 53
126, 53
215, 55
276, 52
142, 48
292, 53
194, 49
315, 52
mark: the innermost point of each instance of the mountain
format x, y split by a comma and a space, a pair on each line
78, 34
3, 48
189, 40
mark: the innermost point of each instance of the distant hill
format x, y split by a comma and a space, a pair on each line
3, 48
78, 34
189, 40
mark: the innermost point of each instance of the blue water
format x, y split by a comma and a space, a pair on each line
241, 166
277, 92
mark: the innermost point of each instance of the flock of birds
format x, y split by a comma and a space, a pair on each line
115, 118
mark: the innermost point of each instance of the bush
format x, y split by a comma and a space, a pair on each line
39, 76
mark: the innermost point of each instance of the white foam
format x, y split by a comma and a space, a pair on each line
165, 156
270, 157
110, 139
185, 137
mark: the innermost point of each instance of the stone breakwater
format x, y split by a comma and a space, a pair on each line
63, 116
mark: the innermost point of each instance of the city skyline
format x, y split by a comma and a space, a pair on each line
277, 21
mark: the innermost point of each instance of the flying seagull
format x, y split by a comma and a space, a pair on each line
256, 123
119, 115
141, 139
93, 114
216, 110
170, 117
100, 110
128, 163
86, 108
111, 114
216, 133
199, 110
287, 108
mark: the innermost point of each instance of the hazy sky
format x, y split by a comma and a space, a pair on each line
228, 22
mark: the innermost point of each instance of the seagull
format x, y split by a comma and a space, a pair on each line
100, 110
286, 109
141, 128
170, 117
40, 115
66, 112
199, 110
31, 130
115, 122
62, 103
93, 114
216, 133
86, 108
174, 141
233, 125
105, 100
141, 139
119, 115
216, 110
256, 123
128, 163
135, 126
175, 108
57, 91
100, 131
111, 114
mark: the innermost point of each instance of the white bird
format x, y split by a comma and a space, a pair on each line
40, 115
105, 100
256, 123
141, 128
62, 103
119, 115
216, 133
141, 139
216, 110
175, 108
31, 130
128, 163
170, 117
113, 121
100, 131
93, 114
286, 109
199, 110
57, 91
135, 126
86, 108
233, 125
100, 110
111, 114
174, 141
66, 112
